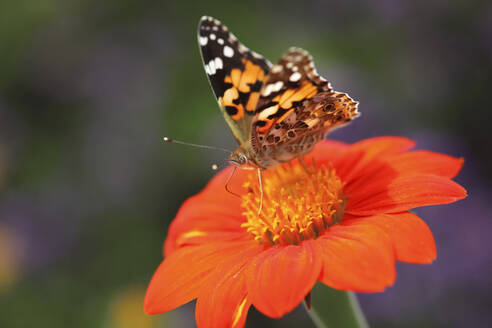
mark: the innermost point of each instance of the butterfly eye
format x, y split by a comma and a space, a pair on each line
238, 158
242, 159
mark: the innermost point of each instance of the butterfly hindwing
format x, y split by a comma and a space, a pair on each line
236, 75
297, 108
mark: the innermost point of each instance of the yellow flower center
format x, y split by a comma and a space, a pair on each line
298, 203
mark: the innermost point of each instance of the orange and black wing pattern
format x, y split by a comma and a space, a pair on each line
236, 74
296, 109
290, 82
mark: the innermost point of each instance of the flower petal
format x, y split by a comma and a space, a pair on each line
224, 302
426, 162
213, 210
357, 257
401, 194
379, 147
367, 153
199, 220
279, 278
327, 151
181, 275
411, 237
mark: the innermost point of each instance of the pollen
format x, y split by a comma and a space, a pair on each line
299, 203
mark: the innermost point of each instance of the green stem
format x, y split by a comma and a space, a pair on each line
334, 308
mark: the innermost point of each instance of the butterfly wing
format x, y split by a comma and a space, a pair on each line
235, 73
296, 109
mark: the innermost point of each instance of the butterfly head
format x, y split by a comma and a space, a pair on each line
240, 158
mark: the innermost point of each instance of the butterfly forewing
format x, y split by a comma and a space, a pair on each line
275, 113
235, 73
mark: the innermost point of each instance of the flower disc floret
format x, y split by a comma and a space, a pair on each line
298, 204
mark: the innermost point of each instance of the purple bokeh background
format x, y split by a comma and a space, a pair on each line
88, 90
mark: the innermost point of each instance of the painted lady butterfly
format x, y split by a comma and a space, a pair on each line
276, 113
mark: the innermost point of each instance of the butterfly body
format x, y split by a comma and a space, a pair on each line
275, 112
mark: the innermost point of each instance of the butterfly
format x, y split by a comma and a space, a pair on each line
275, 112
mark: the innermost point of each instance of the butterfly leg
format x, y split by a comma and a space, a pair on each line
227, 183
261, 191
303, 164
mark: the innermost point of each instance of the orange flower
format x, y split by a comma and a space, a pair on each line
343, 221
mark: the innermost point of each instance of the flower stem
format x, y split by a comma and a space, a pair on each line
334, 308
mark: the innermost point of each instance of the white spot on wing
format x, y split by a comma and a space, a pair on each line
296, 76
277, 69
277, 86
267, 112
268, 90
212, 36
232, 38
211, 67
220, 41
203, 40
218, 63
242, 48
228, 51
256, 55
272, 87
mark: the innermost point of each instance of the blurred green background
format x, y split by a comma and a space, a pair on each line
87, 188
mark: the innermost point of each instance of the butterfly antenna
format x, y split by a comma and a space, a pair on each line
261, 192
216, 167
166, 139
227, 183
